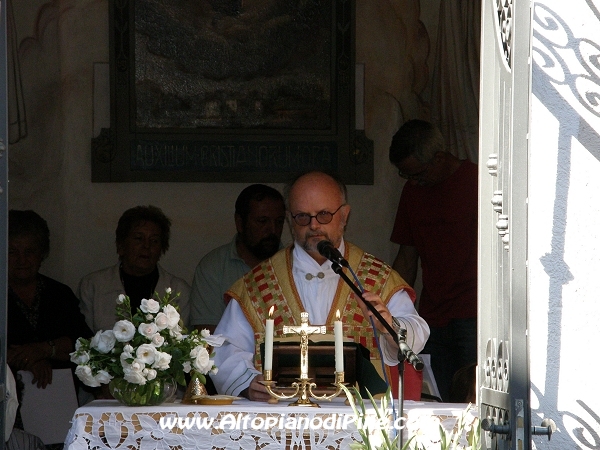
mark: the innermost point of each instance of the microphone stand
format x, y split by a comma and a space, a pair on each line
398, 334
401, 357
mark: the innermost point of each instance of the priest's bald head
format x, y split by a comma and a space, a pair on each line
317, 211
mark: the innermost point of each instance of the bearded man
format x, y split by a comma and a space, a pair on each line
259, 218
299, 279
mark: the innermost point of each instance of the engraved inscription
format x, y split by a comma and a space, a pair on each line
230, 156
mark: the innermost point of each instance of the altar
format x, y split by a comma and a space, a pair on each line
107, 424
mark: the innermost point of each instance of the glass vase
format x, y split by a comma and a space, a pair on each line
152, 393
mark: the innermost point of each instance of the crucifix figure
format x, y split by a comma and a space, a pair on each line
304, 330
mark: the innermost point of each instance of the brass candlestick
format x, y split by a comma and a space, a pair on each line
303, 386
194, 391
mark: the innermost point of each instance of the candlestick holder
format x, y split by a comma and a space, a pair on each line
303, 386
303, 390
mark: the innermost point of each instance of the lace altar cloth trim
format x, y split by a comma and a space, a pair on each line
106, 424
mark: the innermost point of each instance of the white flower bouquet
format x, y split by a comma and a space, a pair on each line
145, 346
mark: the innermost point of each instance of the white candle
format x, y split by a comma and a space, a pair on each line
269, 326
339, 343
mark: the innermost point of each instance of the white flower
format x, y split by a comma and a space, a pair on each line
78, 344
133, 376
84, 373
161, 360
103, 341
158, 340
214, 370
146, 353
161, 320
103, 377
124, 356
80, 358
137, 365
134, 372
148, 329
149, 305
168, 290
172, 315
176, 330
202, 361
137, 348
124, 330
176, 334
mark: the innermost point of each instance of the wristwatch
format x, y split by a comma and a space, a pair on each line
51, 344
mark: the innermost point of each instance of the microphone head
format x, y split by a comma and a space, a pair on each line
324, 247
328, 250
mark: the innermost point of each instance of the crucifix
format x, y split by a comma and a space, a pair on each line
304, 385
304, 330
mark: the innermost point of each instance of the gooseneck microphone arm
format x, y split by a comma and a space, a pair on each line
397, 332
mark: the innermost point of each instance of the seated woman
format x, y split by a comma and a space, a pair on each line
142, 237
44, 320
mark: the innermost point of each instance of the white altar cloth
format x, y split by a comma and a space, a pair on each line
107, 424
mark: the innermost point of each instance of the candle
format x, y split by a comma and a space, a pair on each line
269, 325
339, 343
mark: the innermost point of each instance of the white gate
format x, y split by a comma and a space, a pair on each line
503, 368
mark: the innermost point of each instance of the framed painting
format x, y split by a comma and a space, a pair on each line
231, 91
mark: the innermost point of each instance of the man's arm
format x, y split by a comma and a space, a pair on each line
235, 358
406, 263
256, 391
401, 307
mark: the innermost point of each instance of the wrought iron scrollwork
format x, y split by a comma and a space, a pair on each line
504, 10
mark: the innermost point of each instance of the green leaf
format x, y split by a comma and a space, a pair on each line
443, 445
180, 378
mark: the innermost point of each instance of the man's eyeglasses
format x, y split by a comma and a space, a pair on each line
323, 217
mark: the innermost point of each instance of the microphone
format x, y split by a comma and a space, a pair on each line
327, 250
398, 332
403, 347
411, 356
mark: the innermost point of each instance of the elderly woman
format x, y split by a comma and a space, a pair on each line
44, 320
142, 237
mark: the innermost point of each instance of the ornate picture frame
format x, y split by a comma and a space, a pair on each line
231, 91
